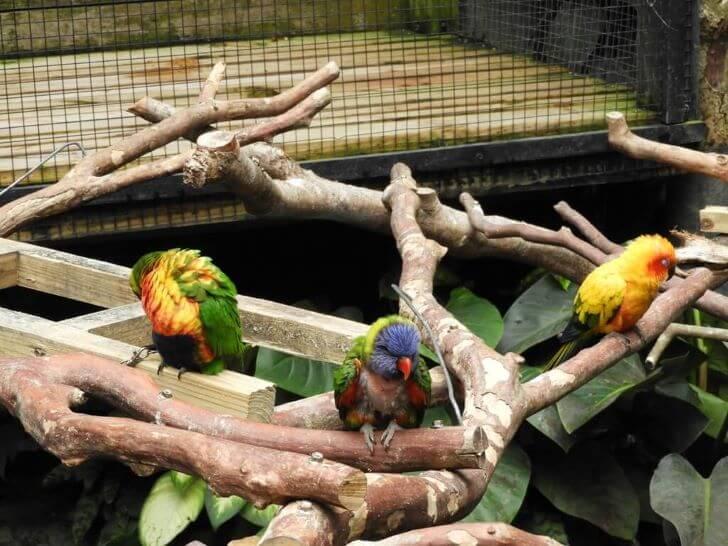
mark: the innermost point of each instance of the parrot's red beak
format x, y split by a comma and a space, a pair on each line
404, 365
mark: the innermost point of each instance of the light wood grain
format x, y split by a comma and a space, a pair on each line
714, 219
8, 269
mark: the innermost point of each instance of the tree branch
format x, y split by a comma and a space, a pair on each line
685, 159
135, 393
86, 180
471, 534
686, 330
260, 475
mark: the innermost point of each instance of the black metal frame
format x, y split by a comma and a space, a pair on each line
442, 162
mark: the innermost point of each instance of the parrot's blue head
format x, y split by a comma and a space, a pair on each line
395, 351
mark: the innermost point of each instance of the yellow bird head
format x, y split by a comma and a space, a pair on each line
655, 253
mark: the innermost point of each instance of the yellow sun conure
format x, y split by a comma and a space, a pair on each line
616, 294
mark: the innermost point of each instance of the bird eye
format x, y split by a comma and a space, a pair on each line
665, 262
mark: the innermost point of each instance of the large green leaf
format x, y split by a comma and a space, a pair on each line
548, 422
301, 376
479, 315
221, 509
506, 490
714, 408
578, 407
168, 511
544, 523
668, 422
259, 517
695, 506
588, 483
539, 313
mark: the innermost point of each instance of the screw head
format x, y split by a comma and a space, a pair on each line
305, 505
437, 423
165, 393
316, 457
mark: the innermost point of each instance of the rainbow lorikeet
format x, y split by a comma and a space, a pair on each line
192, 307
382, 381
616, 294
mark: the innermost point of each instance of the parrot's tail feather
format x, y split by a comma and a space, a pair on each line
564, 352
571, 332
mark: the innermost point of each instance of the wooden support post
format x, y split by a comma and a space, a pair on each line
8, 269
714, 219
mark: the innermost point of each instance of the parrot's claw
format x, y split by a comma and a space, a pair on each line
368, 431
138, 355
160, 367
179, 374
388, 433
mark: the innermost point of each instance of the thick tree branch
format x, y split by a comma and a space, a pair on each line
624, 140
260, 475
458, 534
551, 386
135, 393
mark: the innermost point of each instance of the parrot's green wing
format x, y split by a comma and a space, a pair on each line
346, 374
223, 332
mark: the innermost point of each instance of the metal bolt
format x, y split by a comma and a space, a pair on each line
491, 530
316, 457
305, 505
39, 351
165, 393
437, 423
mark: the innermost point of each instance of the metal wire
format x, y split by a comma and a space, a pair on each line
435, 345
50, 156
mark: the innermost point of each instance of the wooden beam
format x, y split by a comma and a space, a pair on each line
228, 392
714, 219
8, 269
274, 325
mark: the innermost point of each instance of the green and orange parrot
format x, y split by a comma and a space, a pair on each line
616, 294
192, 307
382, 381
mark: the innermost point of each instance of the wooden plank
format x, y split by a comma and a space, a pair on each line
714, 219
8, 269
70, 276
228, 392
281, 327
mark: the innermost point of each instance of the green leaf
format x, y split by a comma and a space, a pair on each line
506, 490
167, 511
549, 524
548, 422
258, 517
695, 506
539, 313
301, 376
581, 405
589, 484
181, 480
714, 408
479, 315
564, 283
667, 421
221, 509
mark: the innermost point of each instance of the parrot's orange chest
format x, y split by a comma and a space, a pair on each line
637, 300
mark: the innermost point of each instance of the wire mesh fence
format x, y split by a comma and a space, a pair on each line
415, 73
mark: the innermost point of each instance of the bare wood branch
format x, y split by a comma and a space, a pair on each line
696, 248
305, 523
685, 159
86, 180
587, 229
551, 386
212, 84
261, 475
472, 534
687, 330
563, 238
136, 394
